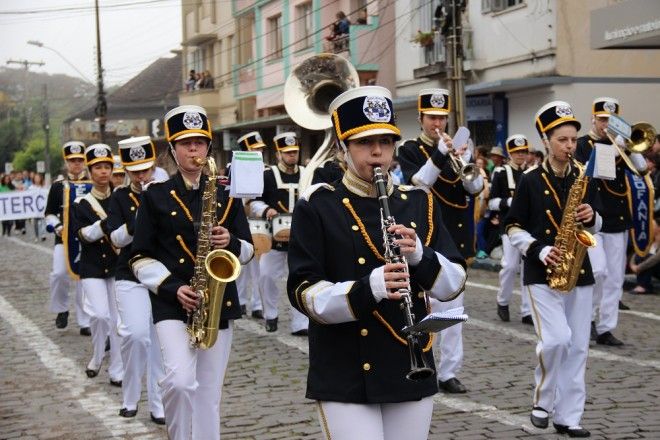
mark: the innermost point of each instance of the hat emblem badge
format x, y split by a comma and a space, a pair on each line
438, 100
75, 149
519, 142
192, 121
137, 153
100, 152
257, 137
563, 111
610, 107
376, 109
290, 140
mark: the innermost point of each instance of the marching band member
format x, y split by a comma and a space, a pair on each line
358, 357
279, 197
139, 344
609, 256
57, 221
97, 263
561, 319
505, 179
248, 281
118, 172
163, 259
425, 162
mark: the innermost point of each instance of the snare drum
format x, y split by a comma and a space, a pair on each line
261, 236
282, 227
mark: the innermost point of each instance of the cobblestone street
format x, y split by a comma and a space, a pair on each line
46, 395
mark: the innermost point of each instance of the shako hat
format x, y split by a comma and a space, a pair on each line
287, 141
97, 153
187, 121
137, 153
605, 107
554, 114
517, 142
251, 141
73, 150
433, 102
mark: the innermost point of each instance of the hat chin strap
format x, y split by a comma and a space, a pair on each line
347, 157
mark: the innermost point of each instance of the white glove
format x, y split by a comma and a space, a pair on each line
638, 161
377, 283
58, 230
544, 253
508, 201
442, 147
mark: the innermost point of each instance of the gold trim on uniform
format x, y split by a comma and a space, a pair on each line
363, 231
324, 420
184, 247
185, 209
537, 327
227, 209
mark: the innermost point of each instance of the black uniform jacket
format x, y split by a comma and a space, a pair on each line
97, 259
166, 230
337, 237
55, 203
448, 190
278, 199
329, 172
537, 207
500, 189
124, 203
613, 193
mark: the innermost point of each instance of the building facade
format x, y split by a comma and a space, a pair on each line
520, 54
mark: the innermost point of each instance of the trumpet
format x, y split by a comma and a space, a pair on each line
637, 138
466, 171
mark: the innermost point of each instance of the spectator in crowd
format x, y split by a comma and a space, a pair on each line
362, 16
338, 32
483, 151
192, 79
5, 186
647, 267
481, 212
206, 80
19, 185
497, 156
656, 145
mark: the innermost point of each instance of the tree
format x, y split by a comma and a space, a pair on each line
10, 139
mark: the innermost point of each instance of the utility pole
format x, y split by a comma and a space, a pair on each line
46, 126
26, 67
454, 49
101, 105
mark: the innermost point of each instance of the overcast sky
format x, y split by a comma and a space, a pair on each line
134, 33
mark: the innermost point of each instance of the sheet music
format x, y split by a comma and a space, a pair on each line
247, 174
605, 166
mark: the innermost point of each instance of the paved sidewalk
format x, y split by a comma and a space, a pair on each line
46, 395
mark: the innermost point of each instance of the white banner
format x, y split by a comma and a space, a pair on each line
16, 205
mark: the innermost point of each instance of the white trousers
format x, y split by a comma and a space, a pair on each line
247, 285
385, 421
101, 305
140, 349
273, 267
562, 324
60, 282
449, 341
511, 264
608, 260
192, 386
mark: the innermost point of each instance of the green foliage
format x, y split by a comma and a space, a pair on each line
10, 139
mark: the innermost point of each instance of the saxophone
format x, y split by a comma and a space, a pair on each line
213, 270
393, 254
572, 240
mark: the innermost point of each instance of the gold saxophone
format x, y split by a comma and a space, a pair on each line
213, 270
572, 240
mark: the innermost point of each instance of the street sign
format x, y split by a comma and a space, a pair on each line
41, 166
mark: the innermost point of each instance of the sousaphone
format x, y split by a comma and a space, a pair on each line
308, 92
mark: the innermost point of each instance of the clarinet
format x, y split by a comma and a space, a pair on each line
393, 254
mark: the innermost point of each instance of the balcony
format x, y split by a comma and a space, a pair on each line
207, 98
434, 58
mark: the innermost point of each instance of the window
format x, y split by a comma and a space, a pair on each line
304, 26
498, 5
245, 28
274, 35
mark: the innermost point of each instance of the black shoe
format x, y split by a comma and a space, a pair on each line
91, 373
608, 338
257, 314
271, 325
539, 422
622, 306
302, 332
157, 420
116, 383
527, 319
62, 320
572, 432
503, 312
85, 331
243, 310
107, 344
594, 333
452, 386
128, 412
